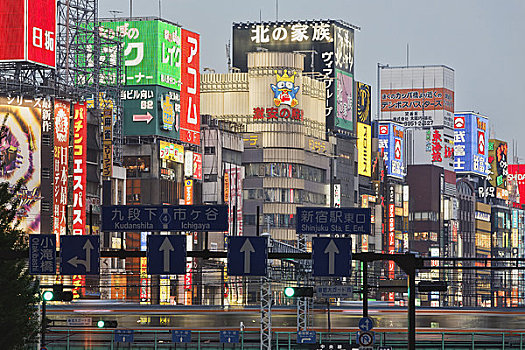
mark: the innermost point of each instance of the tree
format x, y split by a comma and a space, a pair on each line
19, 292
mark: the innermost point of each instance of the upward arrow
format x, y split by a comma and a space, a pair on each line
247, 249
331, 250
166, 247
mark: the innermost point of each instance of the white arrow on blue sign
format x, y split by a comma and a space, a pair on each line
331, 256
166, 255
366, 324
229, 336
247, 256
181, 336
124, 335
80, 255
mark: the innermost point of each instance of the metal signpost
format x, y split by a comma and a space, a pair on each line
166, 255
42, 254
181, 336
138, 218
331, 256
247, 256
80, 255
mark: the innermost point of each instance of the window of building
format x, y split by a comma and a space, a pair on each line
209, 150
136, 165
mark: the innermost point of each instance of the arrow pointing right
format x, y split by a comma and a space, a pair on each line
331, 250
166, 247
142, 117
247, 249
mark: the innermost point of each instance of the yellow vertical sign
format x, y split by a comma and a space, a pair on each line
107, 143
364, 149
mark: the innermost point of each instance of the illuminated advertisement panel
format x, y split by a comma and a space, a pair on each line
517, 175
363, 96
327, 46
79, 168
151, 52
171, 151
233, 177
434, 145
107, 143
188, 192
364, 149
60, 167
391, 145
20, 151
190, 119
27, 31
151, 110
344, 86
197, 166
470, 143
498, 166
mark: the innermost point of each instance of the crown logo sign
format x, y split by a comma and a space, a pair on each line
285, 76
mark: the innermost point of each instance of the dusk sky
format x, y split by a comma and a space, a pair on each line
483, 41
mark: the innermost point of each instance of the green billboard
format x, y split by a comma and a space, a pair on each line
151, 51
151, 110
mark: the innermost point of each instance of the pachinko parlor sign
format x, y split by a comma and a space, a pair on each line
284, 101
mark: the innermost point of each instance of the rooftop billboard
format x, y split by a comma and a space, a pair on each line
470, 143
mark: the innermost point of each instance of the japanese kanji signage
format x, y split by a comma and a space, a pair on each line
190, 121
151, 110
137, 218
60, 167
498, 166
470, 143
332, 47
107, 143
364, 149
79, 168
171, 151
516, 176
434, 145
21, 144
418, 96
152, 51
391, 145
323, 220
28, 31
42, 254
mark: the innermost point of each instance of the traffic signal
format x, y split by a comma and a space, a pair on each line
107, 324
296, 292
57, 294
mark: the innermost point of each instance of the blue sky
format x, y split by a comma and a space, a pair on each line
483, 41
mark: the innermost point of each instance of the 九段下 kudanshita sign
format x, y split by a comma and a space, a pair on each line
137, 218
322, 220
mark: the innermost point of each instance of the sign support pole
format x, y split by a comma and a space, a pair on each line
365, 288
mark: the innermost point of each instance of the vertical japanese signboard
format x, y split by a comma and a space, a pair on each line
190, 122
391, 234
60, 168
107, 143
391, 145
79, 168
28, 31
188, 192
152, 51
498, 166
516, 176
328, 47
364, 149
197, 166
20, 148
470, 143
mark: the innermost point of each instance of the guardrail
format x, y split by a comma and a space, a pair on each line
104, 339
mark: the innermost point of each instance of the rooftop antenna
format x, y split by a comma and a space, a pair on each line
260, 16
114, 13
160, 9
276, 10
228, 57
130, 9
407, 55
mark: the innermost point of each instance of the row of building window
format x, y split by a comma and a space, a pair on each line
271, 221
292, 170
285, 195
424, 216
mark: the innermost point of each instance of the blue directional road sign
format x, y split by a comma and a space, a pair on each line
139, 218
331, 256
229, 336
80, 255
166, 255
306, 337
181, 336
42, 254
322, 220
247, 256
366, 324
124, 335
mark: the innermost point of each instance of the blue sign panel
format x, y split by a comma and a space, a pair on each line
366, 324
247, 256
124, 335
166, 255
181, 336
306, 337
331, 256
391, 143
323, 220
229, 336
80, 255
137, 218
42, 254
470, 143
